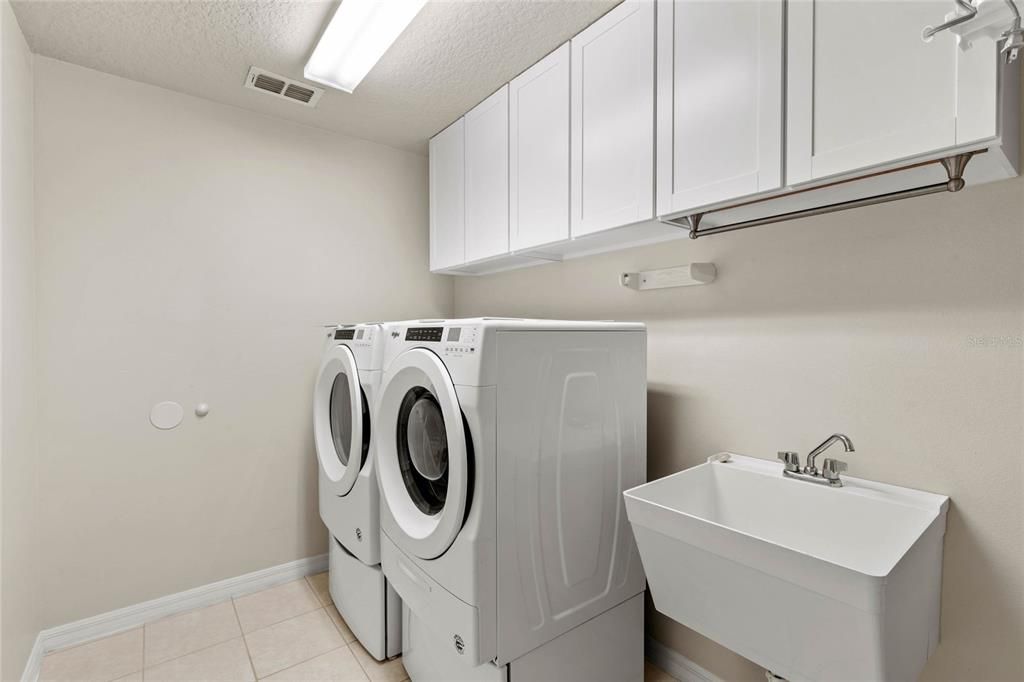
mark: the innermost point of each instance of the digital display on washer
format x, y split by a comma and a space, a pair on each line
344, 334
424, 334
454, 333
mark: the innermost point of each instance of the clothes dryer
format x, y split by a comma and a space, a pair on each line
345, 392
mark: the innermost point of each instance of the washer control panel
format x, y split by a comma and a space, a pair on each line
429, 334
460, 341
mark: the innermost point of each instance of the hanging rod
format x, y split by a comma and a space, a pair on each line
954, 166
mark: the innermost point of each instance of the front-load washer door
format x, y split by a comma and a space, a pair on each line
341, 420
423, 455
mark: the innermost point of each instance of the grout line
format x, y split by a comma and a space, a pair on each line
320, 601
142, 673
169, 660
295, 665
316, 600
245, 642
358, 662
305, 660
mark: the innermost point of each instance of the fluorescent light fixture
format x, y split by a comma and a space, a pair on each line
359, 34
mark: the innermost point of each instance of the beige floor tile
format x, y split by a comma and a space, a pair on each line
340, 623
184, 633
103, 660
339, 665
285, 644
653, 673
134, 677
279, 603
321, 586
224, 662
388, 671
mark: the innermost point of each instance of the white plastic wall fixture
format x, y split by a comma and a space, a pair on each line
692, 274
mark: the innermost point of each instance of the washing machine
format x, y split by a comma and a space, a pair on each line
503, 449
343, 424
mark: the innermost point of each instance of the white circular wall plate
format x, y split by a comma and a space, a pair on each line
166, 415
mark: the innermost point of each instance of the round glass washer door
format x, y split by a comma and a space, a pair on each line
341, 420
422, 454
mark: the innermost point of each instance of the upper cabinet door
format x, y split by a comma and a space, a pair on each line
447, 197
720, 97
864, 89
539, 153
487, 177
612, 170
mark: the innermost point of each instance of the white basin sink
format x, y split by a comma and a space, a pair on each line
809, 581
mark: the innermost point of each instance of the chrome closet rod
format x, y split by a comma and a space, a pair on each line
954, 166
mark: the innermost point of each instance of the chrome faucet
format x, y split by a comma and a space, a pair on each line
830, 468
829, 442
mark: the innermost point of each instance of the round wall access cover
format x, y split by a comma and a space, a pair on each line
166, 415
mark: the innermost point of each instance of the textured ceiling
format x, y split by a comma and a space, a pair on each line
453, 54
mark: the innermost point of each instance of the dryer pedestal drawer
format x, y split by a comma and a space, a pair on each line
452, 620
367, 602
428, 655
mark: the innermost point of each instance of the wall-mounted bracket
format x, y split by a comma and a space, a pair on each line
681, 276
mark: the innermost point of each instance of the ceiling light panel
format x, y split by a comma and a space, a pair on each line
358, 35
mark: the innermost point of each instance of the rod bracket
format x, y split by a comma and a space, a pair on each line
955, 166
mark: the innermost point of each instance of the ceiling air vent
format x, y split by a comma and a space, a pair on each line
283, 88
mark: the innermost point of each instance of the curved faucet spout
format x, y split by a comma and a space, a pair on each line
825, 445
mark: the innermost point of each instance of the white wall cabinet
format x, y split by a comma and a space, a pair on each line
448, 197
539, 153
765, 108
487, 177
612, 123
864, 89
720, 99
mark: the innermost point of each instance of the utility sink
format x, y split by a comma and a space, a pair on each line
809, 581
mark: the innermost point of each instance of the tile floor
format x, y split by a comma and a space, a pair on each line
290, 632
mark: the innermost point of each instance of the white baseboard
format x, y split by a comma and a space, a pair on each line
675, 664
113, 622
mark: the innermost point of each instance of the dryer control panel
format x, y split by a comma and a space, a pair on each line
358, 336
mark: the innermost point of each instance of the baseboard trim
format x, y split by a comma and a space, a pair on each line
675, 664
113, 622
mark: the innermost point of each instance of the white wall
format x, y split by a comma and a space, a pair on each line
191, 251
901, 325
18, 566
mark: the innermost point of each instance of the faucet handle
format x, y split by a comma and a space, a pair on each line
831, 468
790, 460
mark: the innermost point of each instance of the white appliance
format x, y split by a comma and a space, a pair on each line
503, 450
346, 390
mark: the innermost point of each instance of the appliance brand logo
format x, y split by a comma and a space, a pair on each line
395, 335
460, 645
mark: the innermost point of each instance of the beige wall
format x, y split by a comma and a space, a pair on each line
863, 322
190, 251
18, 566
